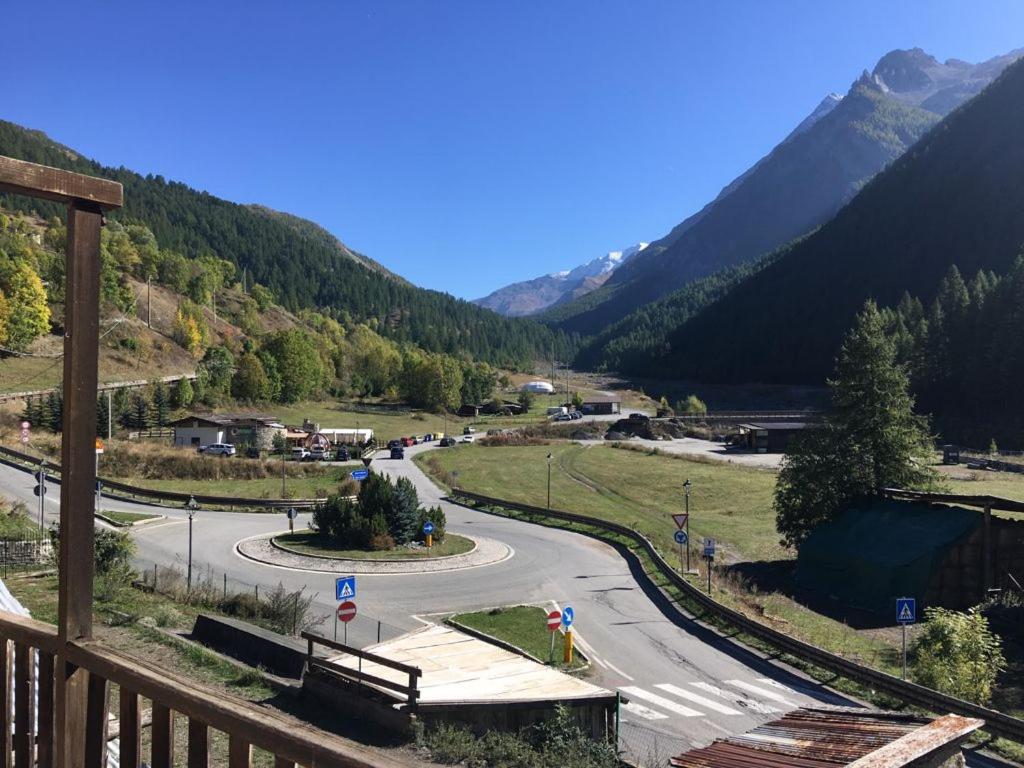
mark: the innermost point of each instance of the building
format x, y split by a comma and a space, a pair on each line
601, 405
305, 437
830, 737
539, 387
769, 437
243, 430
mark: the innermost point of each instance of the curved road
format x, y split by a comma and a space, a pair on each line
686, 685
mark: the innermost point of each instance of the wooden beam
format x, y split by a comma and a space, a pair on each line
78, 440
130, 729
44, 730
71, 707
6, 703
198, 744
162, 746
239, 752
97, 722
24, 706
48, 183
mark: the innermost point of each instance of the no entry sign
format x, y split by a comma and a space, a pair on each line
554, 621
346, 611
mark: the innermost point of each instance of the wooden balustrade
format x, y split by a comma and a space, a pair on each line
27, 666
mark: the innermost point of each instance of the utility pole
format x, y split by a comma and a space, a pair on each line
549, 480
110, 416
686, 488
192, 507
149, 304
42, 492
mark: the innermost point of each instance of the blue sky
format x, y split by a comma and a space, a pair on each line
463, 144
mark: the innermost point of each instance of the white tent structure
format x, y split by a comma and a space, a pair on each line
539, 387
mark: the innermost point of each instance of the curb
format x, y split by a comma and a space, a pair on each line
514, 648
336, 559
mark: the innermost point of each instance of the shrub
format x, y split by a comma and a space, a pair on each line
451, 745
957, 653
437, 517
381, 542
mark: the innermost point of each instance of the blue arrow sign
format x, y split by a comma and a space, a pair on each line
428, 527
567, 616
345, 587
906, 610
680, 537
360, 474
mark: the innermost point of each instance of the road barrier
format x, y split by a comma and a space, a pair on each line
124, 491
997, 723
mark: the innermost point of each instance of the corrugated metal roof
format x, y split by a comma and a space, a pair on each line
806, 738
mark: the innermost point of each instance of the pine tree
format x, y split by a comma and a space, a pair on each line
102, 412
161, 403
55, 411
183, 394
404, 517
870, 439
138, 415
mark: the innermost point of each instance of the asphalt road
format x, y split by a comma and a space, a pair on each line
686, 685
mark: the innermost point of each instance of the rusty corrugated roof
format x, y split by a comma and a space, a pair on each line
805, 738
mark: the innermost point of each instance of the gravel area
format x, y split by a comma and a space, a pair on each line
260, 549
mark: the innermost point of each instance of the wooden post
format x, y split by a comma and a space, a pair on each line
24, 705
97, 722
986, 556
198, 744
78, 480
44, 740
130, 738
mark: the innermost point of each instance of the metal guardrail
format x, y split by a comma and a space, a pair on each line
19, 460
997, 723
134, 384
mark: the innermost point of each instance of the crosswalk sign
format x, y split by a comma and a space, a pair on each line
906, 610
345, 587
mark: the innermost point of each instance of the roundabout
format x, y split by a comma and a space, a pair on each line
267, 549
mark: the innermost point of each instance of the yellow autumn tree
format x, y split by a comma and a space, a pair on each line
27, 313
187, 334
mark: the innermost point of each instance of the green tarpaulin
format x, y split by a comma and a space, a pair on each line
871, 555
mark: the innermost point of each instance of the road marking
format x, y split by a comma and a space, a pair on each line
597, 661
696, 698
777, 684
616, 669
661, 701
761, 692
742, 701
641, 711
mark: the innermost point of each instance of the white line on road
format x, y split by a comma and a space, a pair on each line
696, 698
619, 671
743, 701
776, 684
661, 701
641, 711
760, 691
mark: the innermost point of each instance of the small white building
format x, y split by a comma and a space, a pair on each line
238, 429
539, 387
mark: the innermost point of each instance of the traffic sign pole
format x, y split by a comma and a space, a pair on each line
554, 621
904, 651
906, 613
567, 657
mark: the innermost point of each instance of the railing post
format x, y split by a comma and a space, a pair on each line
130, 736
198, 744
162, 737
239, 752
97, 722
24, 705
44, 737
6, 703
78, 472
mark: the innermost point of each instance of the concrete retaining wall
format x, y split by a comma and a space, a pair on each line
279, 655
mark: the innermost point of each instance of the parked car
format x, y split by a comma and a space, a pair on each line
218, 449
398, 452
342, 455
563, 417
447, 442
394, 443
466, 439
575, 415
428, 437
300, 454
407, 442
318, 453
469, 430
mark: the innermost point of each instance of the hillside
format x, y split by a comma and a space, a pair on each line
955, 198
798, 186
302, 264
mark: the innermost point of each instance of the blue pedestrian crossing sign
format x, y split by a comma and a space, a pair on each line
345, 587
680, 537
906, 610
428, 527
567, 616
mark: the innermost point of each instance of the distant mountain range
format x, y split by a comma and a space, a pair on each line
955, 198
799, 185
531, 296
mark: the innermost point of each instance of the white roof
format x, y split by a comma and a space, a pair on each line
458, 668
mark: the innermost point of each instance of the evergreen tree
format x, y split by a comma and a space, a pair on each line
182, 394
250, 381
161, 403
102, 411
138, 415
55, 411
404, 511
870, 439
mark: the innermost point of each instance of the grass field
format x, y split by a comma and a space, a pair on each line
260, 488
727, 502
15, 525
1008, 485
127, 518
524, 626
309, 543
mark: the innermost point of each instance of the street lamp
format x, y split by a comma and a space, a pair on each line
192, 506
550, 456
686, 488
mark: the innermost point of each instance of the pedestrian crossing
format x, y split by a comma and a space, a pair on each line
729, 698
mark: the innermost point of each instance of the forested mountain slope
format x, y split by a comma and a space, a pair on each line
798, 186
302, 264
954, 198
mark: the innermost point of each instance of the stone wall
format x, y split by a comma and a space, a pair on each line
25, 552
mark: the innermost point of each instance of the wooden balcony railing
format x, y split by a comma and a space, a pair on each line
35, 734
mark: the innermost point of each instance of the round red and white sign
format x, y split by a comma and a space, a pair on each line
554, 621
346, 611
25, 425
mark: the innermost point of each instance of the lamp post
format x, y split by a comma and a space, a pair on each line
686, 489
550, 456
192, 506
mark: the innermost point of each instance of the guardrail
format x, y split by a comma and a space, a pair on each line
28, 463
997, 723
357, 675
114, 385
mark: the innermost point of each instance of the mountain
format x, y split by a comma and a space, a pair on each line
531, 296
300, 262
798, 186
954, 199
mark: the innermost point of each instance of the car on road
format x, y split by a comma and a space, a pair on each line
563, 417
466, 439
318, 453
469, 430
398, 452
218, 449
447, 442
300, 454
342, 455
408, 442
428, 437
394, 443
574, 415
